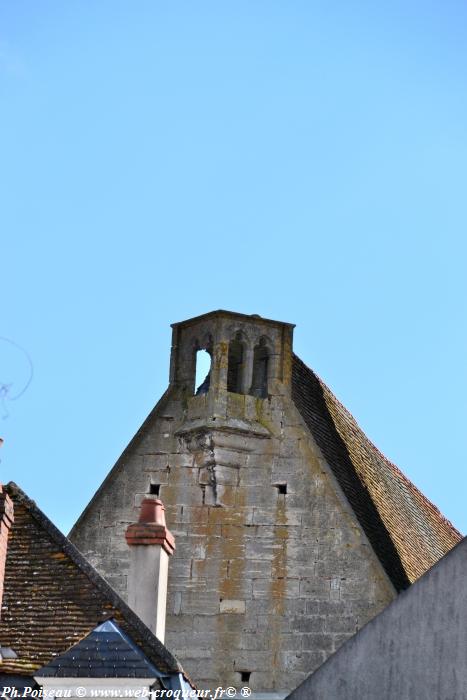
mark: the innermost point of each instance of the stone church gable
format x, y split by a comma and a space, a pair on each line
292, 530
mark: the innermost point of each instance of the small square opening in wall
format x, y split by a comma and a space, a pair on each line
154, 489
281, 488
245, 676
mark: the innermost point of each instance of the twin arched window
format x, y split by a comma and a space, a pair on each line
237, 368
238, 371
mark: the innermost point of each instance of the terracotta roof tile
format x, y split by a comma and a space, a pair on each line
53, 597
407, 532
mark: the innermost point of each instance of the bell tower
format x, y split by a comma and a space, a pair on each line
250, 355
233, 408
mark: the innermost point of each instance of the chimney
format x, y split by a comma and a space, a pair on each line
151, 544
6, 521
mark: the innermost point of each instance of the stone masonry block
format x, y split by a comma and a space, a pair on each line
189, 547
257, 461
225, 475
341, 625
199, 603
236, 405
251, 404
254, 477
180, 567
292, 642
285, 588
307, 661
261, 497
309, 625
256, 623
315, 588
252, 660
181, 460
260, 549
233, 441
299, 551
205, 475
258, 608
201, 640
191, 514
229, 458
264, 517
225, 495
328, 608
235, 588
183, 624
259, 679
256, 568
286, 468
155, 462
193, 653
255, 642
177, 584
351, 589
232, 606
289, 447
317, 642
293, 608
237, 531
205, 623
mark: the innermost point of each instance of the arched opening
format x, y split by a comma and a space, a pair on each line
203, 372
235, 365
259, 384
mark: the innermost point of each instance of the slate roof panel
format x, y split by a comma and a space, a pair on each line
107, 652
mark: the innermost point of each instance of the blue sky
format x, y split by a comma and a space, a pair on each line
305, 161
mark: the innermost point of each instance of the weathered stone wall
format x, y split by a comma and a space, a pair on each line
415, 650
262, 582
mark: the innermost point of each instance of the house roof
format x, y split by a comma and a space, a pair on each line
53, 597
407, 532
106, 652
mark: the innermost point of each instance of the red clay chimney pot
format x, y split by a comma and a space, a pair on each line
151, 528
152, 511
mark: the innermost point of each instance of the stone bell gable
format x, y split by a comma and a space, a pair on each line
292, 529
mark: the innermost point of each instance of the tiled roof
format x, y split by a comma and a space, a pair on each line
407, 532
107, 652
53, 597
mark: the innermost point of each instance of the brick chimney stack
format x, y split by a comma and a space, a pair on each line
151, 544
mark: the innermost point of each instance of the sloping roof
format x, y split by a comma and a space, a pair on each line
107, 652
53, 597
407, 532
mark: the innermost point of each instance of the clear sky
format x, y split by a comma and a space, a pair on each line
305, 161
